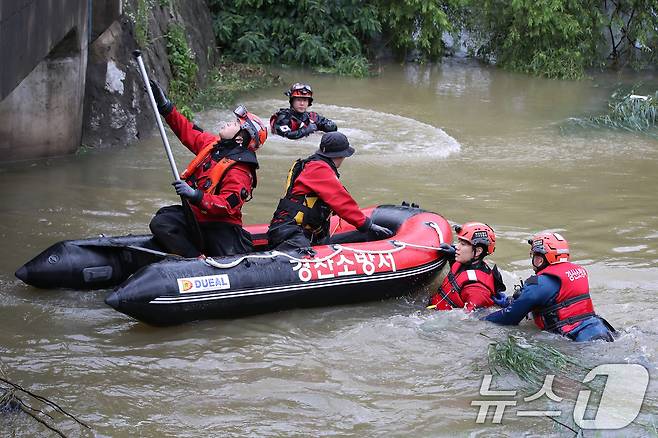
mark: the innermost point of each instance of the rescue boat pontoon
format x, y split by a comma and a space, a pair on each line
166, 290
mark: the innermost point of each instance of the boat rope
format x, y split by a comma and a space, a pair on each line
413, 245
272, 254
399, 246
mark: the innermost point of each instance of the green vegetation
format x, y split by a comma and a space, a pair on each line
316, 33
230, 79
226, 81
415, 27
140, 19
530, 361
626, 111
183, 86
552, 38
631, 31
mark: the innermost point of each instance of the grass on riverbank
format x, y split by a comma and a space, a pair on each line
229, 80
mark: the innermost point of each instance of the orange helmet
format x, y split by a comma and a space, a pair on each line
300, 90
552, 245
253, 126
477, 234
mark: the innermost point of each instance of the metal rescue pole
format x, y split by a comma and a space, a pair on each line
154, 106
189, 215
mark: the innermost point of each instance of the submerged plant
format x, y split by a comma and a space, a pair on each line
530, 361
15, 398
626, 111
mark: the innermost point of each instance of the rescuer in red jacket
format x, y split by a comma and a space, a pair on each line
216, 184
471, 283
295, 122
313, 194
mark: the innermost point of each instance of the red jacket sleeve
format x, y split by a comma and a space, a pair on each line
476, 295
193, 139
319, 178
228, 202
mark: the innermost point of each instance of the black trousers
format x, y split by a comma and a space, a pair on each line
288, 236
172, 231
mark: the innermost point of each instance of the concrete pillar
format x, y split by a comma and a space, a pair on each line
103, 14
42, 116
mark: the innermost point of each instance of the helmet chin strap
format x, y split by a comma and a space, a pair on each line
227, 142
477, 258
544, 262
241, 133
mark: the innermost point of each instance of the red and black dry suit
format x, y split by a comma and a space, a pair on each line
558, 297
468, 286
226, 174
313, 194
293, 125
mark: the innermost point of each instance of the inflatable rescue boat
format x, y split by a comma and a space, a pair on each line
163, 289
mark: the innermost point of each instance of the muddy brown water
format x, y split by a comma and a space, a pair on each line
467, 141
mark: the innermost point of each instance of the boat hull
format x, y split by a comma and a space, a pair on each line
177, 291
164, 289
85, 264
153, 295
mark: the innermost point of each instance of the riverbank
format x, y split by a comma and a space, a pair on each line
229, 80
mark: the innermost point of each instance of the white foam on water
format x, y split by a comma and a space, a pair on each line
372, 133
104, 213
624, 249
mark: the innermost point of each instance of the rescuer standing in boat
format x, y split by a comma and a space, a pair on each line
313, 194
558, 296
471, 282
295, 122
216, 184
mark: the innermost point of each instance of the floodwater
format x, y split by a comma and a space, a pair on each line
467, 141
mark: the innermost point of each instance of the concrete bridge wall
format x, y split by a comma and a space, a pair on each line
66, 69
43, 48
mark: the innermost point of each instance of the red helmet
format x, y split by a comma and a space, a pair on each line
253, 126
477, 234
552, 245
300, 90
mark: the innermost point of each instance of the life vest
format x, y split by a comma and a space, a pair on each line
449, 294
308, 210
572, 304
203, 175
291, 119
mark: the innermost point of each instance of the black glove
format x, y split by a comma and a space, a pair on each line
184, 190
518, 289
447, 250
329, 126
310, 129
379, 232
164, 104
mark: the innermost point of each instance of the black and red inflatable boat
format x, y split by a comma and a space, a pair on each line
161, 289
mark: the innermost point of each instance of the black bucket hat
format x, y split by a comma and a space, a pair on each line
335, 145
